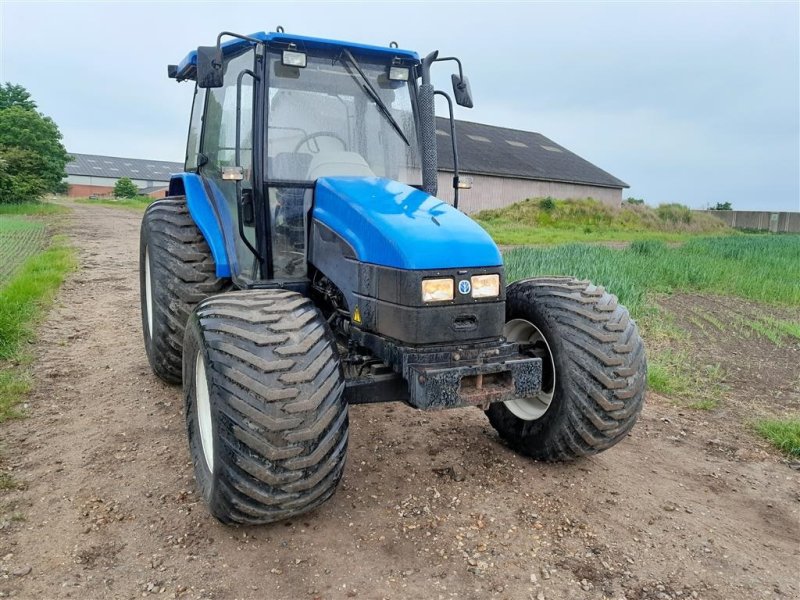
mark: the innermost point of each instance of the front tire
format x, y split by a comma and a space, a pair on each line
176, 271
266, 417
594, 370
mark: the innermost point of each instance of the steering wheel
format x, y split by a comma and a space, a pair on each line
317, 134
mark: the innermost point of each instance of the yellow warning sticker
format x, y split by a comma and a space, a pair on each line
356, 316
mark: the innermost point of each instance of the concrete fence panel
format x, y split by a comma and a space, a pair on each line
776, 222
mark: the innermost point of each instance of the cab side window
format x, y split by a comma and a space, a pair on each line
219, 148
195, 127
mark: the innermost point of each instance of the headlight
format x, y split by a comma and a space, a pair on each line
437, 290
485, 286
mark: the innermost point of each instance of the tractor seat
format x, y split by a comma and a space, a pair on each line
290, 165
338, 164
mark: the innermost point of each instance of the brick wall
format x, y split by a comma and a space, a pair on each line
159, 193
77, 190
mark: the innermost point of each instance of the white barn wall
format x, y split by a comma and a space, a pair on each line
496, 192
109, 181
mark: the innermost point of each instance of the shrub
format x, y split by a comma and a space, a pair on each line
547, 204
674, 213
722, 206
19, 182
125, 188
632, 200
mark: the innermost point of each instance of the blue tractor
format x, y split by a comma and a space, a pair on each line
303, 263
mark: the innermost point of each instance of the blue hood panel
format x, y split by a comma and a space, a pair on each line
394, 225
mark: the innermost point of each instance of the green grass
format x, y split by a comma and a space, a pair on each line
32, 209
783, 327
763, 268
23, 301
673, 372
518, 235
23, 232
20, 238
138, 203
784, 434
775, 330
757, 267
547, 221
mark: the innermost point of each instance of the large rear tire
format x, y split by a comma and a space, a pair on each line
594, 370
266, 417
176, 271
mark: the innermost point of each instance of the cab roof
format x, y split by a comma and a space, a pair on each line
187, 67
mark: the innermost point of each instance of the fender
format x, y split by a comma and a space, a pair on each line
204, 214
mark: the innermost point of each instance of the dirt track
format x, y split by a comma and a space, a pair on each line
431, 506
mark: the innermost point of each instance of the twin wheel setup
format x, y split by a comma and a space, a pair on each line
266, 378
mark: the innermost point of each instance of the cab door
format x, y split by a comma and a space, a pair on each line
226, 162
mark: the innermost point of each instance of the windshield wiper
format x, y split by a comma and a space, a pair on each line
367, 87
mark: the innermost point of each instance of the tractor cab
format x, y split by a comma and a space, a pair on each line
274, 113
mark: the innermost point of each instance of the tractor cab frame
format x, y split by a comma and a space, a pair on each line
273, 113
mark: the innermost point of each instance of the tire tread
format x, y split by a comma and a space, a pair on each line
282, 419
605, 363
183, 273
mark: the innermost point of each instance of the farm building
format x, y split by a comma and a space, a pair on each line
90, 174
509, 165
506, 166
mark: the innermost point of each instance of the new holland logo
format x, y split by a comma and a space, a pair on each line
464, 286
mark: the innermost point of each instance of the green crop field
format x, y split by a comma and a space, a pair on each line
20, 238
33, 264
765, 268
760, 268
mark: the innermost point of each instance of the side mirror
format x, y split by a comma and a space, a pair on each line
462, 91
209, 67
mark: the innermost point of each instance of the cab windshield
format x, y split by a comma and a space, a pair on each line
324, 120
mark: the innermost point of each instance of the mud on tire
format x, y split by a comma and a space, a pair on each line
278, 419
181, 270
599, 367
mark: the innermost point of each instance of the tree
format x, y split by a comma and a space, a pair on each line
15, 95
722, 206
632, 200
32, 155
18, 182
125, 188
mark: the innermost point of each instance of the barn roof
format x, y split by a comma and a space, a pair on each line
499, 151
115, 167
482, 150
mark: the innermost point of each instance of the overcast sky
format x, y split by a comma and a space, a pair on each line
691, 103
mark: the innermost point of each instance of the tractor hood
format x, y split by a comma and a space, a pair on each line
395, 225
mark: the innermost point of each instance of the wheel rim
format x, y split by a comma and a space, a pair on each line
148, 291
203, 403
530, 409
